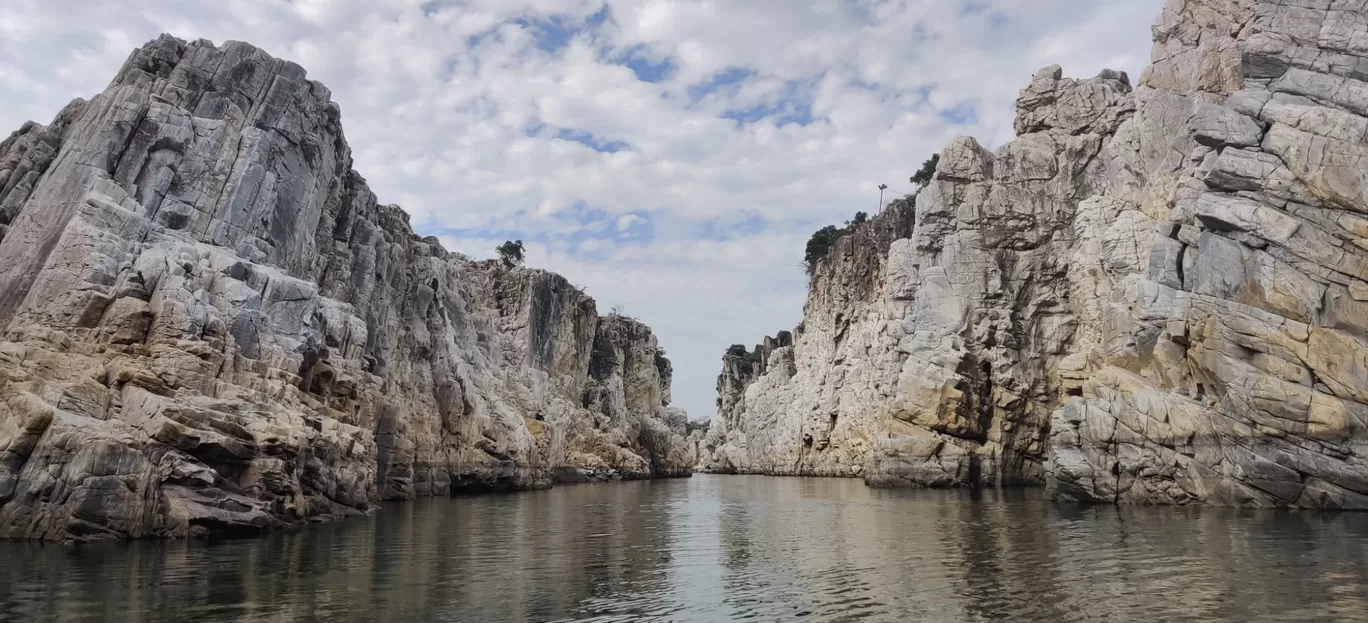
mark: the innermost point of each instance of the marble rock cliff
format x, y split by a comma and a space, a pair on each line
1156, 295
210, 325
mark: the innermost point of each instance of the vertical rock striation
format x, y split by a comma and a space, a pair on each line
804, 403
1158, 296
211, 325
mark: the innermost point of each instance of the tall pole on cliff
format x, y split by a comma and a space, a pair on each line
882, 188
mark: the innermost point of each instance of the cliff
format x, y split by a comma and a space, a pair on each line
1149, 296
211, 325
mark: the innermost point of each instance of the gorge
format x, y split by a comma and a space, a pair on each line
1112, 369
1155, 294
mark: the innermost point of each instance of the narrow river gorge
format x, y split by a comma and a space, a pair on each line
1114, 369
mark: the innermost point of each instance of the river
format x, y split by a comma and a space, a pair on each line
723, 548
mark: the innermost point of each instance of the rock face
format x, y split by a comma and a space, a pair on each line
210, 325
1158, 296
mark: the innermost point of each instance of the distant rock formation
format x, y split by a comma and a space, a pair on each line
210, 325
1158, 296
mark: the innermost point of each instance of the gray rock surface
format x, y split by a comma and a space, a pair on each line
210, 325
1158, 296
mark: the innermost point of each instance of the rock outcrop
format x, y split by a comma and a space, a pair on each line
1158, 296
210, 325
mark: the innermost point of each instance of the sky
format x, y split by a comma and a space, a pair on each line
671, 157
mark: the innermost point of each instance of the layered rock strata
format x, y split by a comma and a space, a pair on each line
1158, 296
211, 325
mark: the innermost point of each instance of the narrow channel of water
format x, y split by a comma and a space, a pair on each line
724, 548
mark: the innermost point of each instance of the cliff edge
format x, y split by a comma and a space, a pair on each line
210, 325
1156, 295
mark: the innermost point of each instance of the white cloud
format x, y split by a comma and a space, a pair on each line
481, 118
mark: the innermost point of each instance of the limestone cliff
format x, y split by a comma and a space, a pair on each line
210, 325
1158, 296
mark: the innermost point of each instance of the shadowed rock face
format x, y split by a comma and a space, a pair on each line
1158, 296
210, 325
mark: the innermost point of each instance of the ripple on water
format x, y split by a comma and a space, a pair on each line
715, 548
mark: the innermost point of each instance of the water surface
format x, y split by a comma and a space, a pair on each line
723, 548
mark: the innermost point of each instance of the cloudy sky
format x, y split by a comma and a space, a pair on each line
669, 156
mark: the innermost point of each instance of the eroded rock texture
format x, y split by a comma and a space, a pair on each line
1158, 296
210, 325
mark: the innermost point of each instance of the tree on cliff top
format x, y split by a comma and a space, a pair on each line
927, 171
819, 245
511, 252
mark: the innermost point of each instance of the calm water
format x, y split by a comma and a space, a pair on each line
722, 548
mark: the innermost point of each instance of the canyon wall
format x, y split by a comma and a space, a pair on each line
1149, 296
210, 325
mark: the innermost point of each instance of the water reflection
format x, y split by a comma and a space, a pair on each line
716, 548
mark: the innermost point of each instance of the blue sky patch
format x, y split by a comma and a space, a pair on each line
783, 113
719, 80
552, 33
962, 114
974, 6
580, 222
595, 224
593, 142
536, 128
729, 228
597, 19
794, 107
646, 68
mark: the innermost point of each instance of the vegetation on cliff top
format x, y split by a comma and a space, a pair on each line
819, 245
511, 252
928, 170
